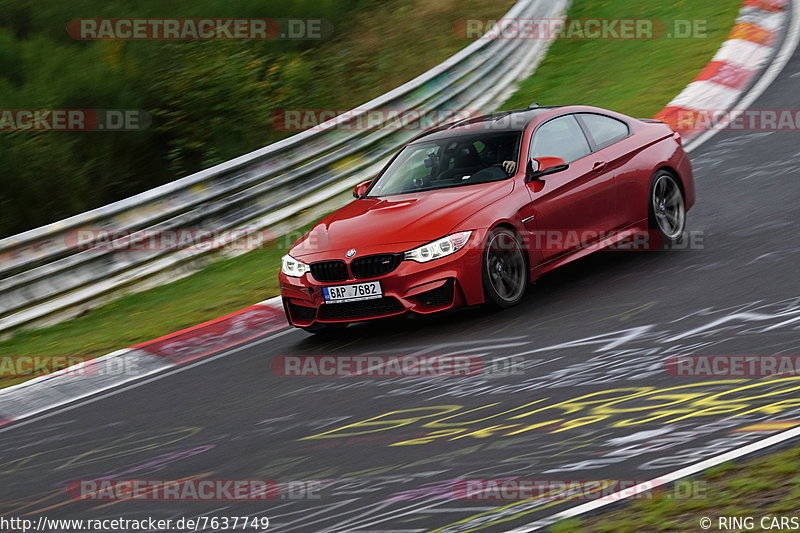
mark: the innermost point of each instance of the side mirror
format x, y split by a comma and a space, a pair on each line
544, 166
361, 189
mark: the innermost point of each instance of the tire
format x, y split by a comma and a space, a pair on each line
325, 330
666, 208
505, 269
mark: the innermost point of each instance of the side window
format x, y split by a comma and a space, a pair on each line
604, 130
561, 137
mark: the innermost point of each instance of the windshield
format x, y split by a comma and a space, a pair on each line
450, 162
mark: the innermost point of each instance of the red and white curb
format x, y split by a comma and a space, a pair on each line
732, 71
112, 370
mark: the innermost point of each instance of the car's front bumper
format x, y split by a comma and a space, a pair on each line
422, 288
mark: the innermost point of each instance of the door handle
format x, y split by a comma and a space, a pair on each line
600, 165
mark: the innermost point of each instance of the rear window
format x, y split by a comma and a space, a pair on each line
604, 130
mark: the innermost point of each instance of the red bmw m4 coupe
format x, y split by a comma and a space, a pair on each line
472, 211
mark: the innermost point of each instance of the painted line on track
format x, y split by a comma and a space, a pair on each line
661, 480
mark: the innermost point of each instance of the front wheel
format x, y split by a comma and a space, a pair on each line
505, 269
667, 210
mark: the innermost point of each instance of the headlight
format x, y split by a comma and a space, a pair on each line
292, 267
439, 248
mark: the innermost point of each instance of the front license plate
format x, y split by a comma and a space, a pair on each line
352, 293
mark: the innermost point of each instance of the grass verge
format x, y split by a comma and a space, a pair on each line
761, 487
637, 77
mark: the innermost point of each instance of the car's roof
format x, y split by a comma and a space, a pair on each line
515, 120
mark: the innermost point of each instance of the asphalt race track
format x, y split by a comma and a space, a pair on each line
592, 401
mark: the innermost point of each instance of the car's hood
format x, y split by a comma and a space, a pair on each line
396, 223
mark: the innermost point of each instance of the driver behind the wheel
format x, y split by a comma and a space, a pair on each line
505, 157
500, 154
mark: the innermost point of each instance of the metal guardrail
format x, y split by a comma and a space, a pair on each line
46, 278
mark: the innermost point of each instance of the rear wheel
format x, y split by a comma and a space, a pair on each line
326, 329
505, 269
667, 210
